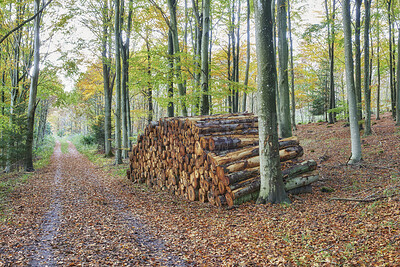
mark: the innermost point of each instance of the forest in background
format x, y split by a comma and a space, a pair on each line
171, 65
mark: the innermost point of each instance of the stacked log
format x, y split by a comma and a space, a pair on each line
212, 159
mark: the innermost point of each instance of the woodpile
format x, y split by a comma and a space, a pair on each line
212, 159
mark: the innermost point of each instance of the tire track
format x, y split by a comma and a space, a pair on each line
91, 222
150, 246
44, 255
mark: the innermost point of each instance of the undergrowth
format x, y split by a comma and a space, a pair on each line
11, 181
92, 153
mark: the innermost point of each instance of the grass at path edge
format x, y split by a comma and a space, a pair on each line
92, 153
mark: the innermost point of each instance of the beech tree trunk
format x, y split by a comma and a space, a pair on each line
205, 107
367, 89
246, 77
378, 89
197, 51
300, 181
358, 59
125, 80
177, 59
237, 54
117, 32
292, 70
108, 88
391, 63
285, 128
398, 85
149, 93
33, 93
351, 94
271, 188
170, 75
331, 48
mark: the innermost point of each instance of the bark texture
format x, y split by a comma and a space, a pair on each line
285, 128
33, 93
351, 93
118, 119
271, 188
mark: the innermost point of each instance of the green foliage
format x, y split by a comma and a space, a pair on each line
88, 140
84, 144
61, 133
64, 147
341, 110
12, 181
89, 150
318, 105
97, 130
44, 151
327, 189
12, 143
96, 136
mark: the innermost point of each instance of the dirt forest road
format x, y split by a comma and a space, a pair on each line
71, 213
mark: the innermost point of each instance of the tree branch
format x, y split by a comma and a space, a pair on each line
363, 199
161, 11
25, 22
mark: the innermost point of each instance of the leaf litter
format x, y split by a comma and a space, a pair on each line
106, 220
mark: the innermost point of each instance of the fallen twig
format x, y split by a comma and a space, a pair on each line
363, 199
380, 167
325, 249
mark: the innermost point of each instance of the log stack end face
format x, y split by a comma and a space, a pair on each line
212, 159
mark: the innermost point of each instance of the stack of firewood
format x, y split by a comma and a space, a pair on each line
212, 158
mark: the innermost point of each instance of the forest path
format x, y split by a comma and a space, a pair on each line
91, 217
87, 219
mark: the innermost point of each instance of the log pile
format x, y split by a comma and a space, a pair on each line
212, 159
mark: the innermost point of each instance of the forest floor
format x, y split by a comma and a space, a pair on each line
73, 212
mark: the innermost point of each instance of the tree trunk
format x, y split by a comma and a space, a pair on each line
234, 58
358, 59
125, 80
278, 102
271, 188
331, 47
237, 57
197, 52
301, 180
292, 70
33, 93
106, 82
124, 93
398, 85
210, 49
394, 64
149, 94
228, 55
392, 85
246, 77
378, 89
205, 107
170, 75
367, 89
285, 128
351, 94
177, 59
117, 32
